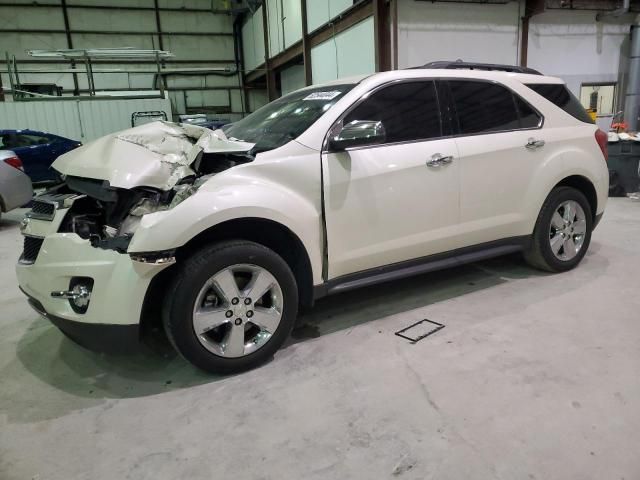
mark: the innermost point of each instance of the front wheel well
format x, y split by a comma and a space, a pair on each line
268, 233
585, 186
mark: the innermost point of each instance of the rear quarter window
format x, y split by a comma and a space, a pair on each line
559, 95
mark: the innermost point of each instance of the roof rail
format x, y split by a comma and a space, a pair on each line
479, 66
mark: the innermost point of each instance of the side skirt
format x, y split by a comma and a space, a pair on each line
421, 265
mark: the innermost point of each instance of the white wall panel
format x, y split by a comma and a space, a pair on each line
336, 7
248, 45
97, 40
253, 41
38, 18
80, 120
449, 31
237, 102
291, 79
110, 20
17, 44
572, 46
257, 98
320, 12
202, 22
274, 22
292, 23
183, 3
324, 62
115, 3
42, 2
211, 47
207, 98
349, 53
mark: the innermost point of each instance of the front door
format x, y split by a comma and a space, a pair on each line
395, 201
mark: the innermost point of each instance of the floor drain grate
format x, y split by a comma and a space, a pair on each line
419, 330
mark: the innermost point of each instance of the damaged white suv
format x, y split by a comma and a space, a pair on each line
223, 236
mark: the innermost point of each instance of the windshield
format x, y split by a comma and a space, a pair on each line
286, 118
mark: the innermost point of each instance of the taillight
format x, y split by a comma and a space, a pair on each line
15, 162
603, 139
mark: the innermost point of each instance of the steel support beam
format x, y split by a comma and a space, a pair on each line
168, 61
114, 32
65, 16
271, 78
531, 8
113, 7
306, 45
381, 35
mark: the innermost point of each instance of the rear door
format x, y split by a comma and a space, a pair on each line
501, 145
391, 202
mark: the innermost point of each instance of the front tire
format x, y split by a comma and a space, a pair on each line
231, 306
563, 231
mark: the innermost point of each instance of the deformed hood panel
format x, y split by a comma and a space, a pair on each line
156, 154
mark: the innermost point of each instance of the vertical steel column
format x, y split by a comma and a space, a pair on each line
632, 95
524, 41
306, 45
67, 29
269, 73
381, 35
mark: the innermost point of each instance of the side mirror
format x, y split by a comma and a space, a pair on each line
357, 133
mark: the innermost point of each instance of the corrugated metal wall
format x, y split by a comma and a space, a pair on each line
80, 120
198, 32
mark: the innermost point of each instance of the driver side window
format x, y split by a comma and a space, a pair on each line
408, 111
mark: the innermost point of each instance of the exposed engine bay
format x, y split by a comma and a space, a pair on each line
108, 215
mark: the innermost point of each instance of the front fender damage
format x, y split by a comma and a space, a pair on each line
142, 170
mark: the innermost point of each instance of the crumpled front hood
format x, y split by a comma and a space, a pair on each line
156, 154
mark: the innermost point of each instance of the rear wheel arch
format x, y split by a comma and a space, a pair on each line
584, 186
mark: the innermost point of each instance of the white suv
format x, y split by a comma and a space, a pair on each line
222, 236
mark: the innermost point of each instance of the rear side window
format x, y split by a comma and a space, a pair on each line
529, 118
559, 95
483, 107
408, 111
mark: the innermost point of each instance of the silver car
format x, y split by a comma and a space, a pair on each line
15, 185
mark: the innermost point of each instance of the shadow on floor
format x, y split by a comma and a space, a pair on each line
349, 309
59, 362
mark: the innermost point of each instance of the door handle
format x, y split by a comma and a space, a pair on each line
438, 160
533, 144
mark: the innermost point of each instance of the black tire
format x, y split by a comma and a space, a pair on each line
539, 254
191, 277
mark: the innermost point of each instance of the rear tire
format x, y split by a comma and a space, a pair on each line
562, 233
211, 316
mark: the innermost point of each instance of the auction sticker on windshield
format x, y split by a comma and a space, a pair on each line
322, 95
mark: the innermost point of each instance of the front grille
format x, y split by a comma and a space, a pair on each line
42, 209
31, 249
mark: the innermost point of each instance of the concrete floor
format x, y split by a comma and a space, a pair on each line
534, 377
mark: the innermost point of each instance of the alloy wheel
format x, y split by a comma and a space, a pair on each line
238, 310
567, 230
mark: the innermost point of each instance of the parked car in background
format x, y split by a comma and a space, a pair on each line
37, 150
15, 186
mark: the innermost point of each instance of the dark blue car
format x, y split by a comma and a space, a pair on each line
37, 150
